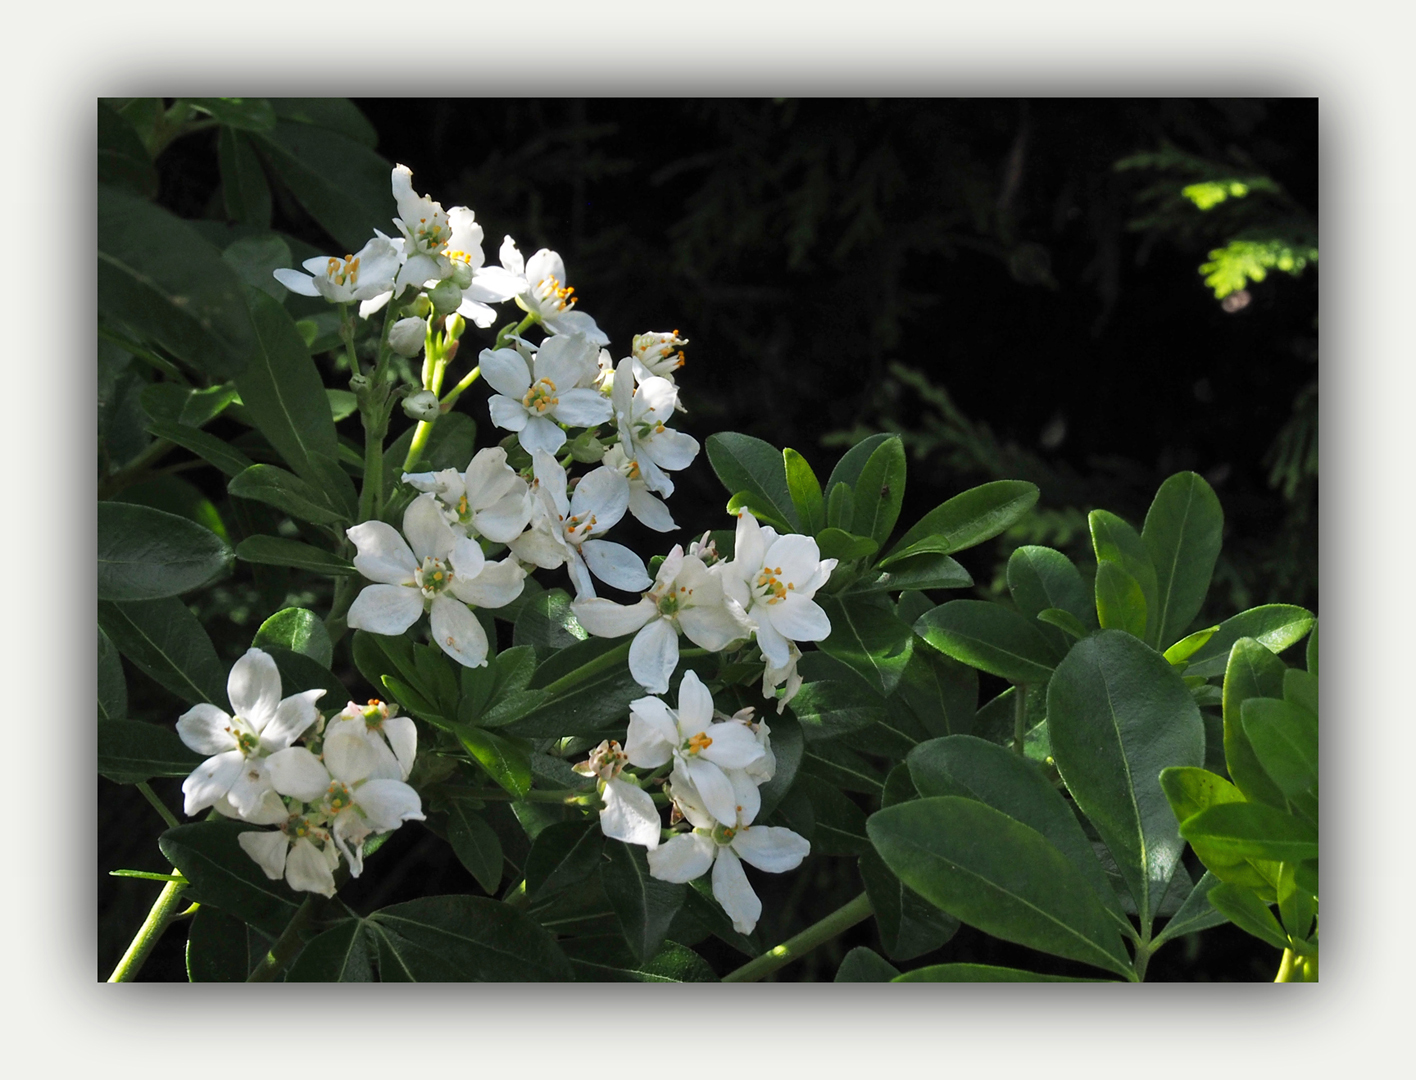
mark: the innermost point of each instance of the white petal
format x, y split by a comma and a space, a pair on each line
629, 815
307, 869
298, 773
254, 688
402, 736
250, 788
350, 830
800, 619
579, 575
207, 730
388, 803
773, 645
605, 618
511, 258
427, 530
797, 555
616, 565
271, 810
732, 890
385, 609
649, 510
653, 655
497, 585
297, 282
749, 799
210, 781
505, 372
540, 434
582, 407
672, 450
712, 785
652, 733
457, 632
771, 848
713, 626
375, 304
734, 746
503, 521
508, 413
576, 322
604, 494
268, 848
350, 756
695, 704
292, 716
682, 858
382, 555
467, 559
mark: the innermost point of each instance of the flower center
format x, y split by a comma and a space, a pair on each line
541, 396
343, 271
698, 742
432, 232
433, 576
559, 296
246, 740
464, 511
577, 528
769, 587
297, 826
723, 835
338, 797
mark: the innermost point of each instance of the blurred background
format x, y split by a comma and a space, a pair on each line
1086, 294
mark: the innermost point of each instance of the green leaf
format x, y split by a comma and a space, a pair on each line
223, 875
990, 637
969, 973
843, 768
1063, 620
146, 554
342, 183
788, 744
207, 447
1285, 740
463, 939
562, 855
840, 507
1249, 913
701, 905
1296, 905
1040, 578
605, 958
1275, 626
596, 702
1252, 831
1196, 913
941, 692
1120, 600
112, 686
1182, 535
157, 275
966, 520
909, 925
964, 766
828, 709
256, 259
643, 904
919, 572
1191, 790
1117, 715
1300, 688
340, 954
867, 637
276, 551
998, 875
839, 544
805, 491
165, 640
475, 844
244, 189
1183, 649
839, 822
1311, 659
123, 160
749, 465
547, 624
450, 446
248, 114
132, 750
1115, 541
216, 947
506, 761
847, 471
286, 492
879, 491
865, 965
299, 630
337, 114
1253, 671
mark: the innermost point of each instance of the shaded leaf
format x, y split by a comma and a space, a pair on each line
165, 640
1182, 535
475, 844
463, 939
223, 875
299, 630
867, 636
112, 686
146, 554
749, 465
990, 637
277, 551
605, 958
865, 965
216, 947
966, 520
643, 904
340, 954
879, 491
133, 750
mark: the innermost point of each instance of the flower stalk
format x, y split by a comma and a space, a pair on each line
839, 921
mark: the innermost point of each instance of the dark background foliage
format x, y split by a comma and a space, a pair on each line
1046, 308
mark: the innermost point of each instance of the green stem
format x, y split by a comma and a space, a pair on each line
288, 944
839, 921
158, 805
167, 907
346, 331
516, 331
134, 470
594, 667
1020, 717
1297, 968
456, 392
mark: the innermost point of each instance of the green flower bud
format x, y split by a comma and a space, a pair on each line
445, 297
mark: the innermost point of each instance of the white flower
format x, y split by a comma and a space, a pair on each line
704, 754
774, 578
355, 277
774, 675
300, 850
685, 596
392, 739
407, 336
422, 405
657, 354
543, 292
628, 812
765, 767
442, 573
263, 724
725, 845
647, 508
564, 530
641, 413
554, 389
488, 499
342, 785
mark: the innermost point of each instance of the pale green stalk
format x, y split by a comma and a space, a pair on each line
839, 921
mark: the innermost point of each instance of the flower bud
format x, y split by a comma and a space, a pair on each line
422, 406
358, 383
454, 325
461, 274
422, 306
406, 336
446, 296
586, 449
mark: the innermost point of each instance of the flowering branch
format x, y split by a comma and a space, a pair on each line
839, 921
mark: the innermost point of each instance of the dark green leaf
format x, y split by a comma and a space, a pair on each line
1249, 913
1040, 578
805, 491
562, 855
643, 904
207, 447
867, 636
998, 875
844, 546
1195, 914
829, 709
547, 624
966, 520
909, 925
1182, 534
594, 703
1296, 905
123, 160
337, 114
1311, 659
840, 508
244, 188
1120, 601
1285, 740
131, 750
1253, 671
1252, 831
299, 673
865, 965
464, 939
343, 184
787, 746
256, 258
1275, 626
700, 903
475, 844
223, 875
839, 823
981, 973
1117, 714
605, 958
276, 551
287, 492
216, 947
340, 954
852, 464
919, 572
450, 446
146, 554
1115, 541
506, 761
157, 275
746, 464
1300, 688
248, 114
1063, 620
941, 692
990, 637
166, 641
879, 491
299, 630
112, 686
843, 768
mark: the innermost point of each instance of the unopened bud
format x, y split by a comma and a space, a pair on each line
422, 306
454, 325
461, 274
422, 406
446, 296
358, 383
586, 449
406, 336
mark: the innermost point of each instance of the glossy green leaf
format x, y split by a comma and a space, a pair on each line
1191, 790
277, 551
843, 546
756, 504
132, 750
643, 904
563, 855
547, 624
123, 160
1117, 714
1311, 659
966, 520
865, 965
990, 637
1284, 737
1186, 647
506, 761
839, 824
1275, 626
285, 491
840, 507
964, 766
299, 630
163, 639
828, 709
112, 686
1297, 906
338, 955
1249, 913
157, 275
579, 705
209, 448
1065, 621
998, 875
970, 973
146, 554
867, 637
941, 692
909, 925
1114, 540
917, 572
342, 183
222, 874
1195, 914
216, 947
1120, 601
1040, 578
852, 464
1252, 831
879, 491
750, 465
248, 114
606, 958
805, 491
463, 939
843, 768
476, 845
337, 114
244, 188
1253, 671
1300, 688
1182, 535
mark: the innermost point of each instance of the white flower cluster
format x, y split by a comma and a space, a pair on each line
325, 799
717, 768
